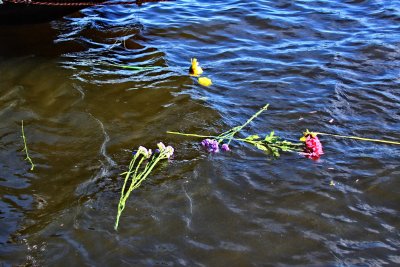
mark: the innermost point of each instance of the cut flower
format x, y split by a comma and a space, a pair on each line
313, 147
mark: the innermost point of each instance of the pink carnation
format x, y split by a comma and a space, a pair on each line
313, 147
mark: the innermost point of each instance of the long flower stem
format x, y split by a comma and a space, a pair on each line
237, 129
128, 173
145, 173
139, 178
130, 67
252, 118
295, 146
360, 138
26, 147
192, 135
136, 180
228, 134
125, 195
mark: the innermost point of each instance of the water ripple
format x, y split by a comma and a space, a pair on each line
329, 66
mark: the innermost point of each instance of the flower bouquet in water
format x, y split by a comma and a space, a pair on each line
270, 143
310, 145
142, 163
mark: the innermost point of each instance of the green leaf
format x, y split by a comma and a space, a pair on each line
252, 137
271, 137
261, 147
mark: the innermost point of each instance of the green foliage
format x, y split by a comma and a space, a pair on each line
271, 144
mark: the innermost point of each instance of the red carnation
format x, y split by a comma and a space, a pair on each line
313, 147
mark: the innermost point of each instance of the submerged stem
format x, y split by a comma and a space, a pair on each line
26, 147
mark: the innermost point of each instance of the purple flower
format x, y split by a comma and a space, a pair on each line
211, 145
205, 142
225, 147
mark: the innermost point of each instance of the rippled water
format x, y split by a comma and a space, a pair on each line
329, 66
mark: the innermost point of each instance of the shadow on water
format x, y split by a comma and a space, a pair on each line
63, 36
36, 39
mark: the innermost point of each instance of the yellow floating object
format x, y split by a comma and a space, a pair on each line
195, 69
306, 133
205, 81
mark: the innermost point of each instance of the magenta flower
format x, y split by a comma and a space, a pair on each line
313, 147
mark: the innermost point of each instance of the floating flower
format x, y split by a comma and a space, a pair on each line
139, 170
313, 148
195, 69
166, 151
169, 151
271, 144
161, 146
204, 81
225, 147
143, 151
205, 142
211, 145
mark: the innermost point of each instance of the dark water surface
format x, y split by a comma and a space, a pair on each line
313, 61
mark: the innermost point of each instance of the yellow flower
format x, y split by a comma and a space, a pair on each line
307, 133
195, 69
205, 81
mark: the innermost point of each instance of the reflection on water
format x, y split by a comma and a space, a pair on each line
329, 66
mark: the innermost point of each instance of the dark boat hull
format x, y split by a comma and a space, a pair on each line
13, 14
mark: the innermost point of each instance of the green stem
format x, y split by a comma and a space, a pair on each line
26, 147
237, 129
228, 134
234, 139
360, 138
130, 67
149, 167
267, 143
192, 135
125, 195
146, 172
136, 181
254, 143
135, 177
252, 118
